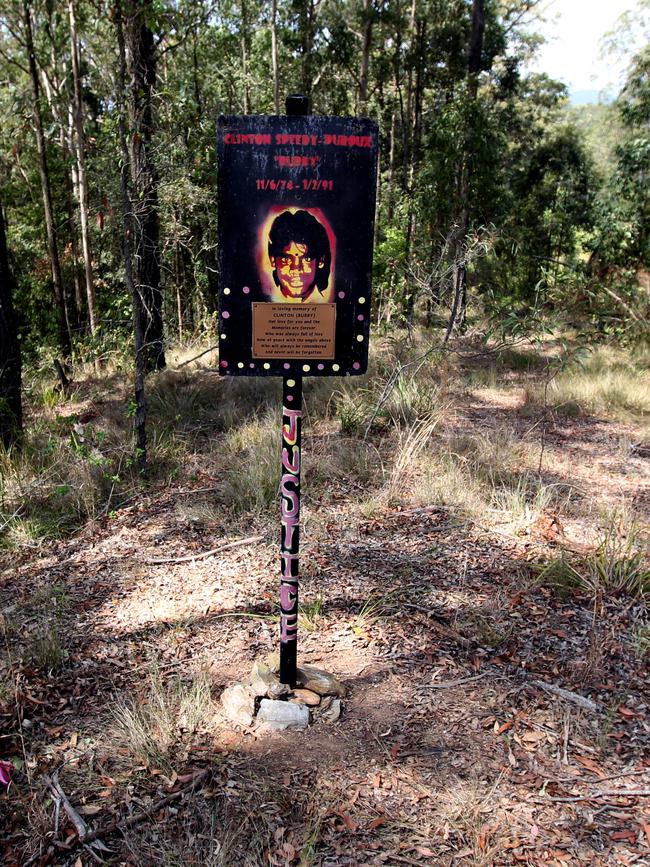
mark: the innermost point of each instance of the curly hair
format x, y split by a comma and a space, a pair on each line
302, 228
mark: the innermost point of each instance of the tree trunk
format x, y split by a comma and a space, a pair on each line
245, 51
306, 29
70, 181
274, 56
78, 140
10, 365
141, 60
139, 316
65, 343
366, 45
462, 223
391, 168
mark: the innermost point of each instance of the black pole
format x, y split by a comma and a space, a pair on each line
290, 532
296, 105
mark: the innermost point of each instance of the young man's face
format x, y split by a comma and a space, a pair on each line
296, 270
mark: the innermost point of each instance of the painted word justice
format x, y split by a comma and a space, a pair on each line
290, 519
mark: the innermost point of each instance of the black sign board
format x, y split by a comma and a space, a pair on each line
296, 214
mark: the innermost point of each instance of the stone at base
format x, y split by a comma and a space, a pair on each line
319, 681
282, 715
332, 714
265, 682
238, 702
305, 696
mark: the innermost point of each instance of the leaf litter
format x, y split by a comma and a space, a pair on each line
490, 718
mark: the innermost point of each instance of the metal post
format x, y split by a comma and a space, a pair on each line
296, 105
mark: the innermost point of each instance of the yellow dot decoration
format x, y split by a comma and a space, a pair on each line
291, 383
267, 366
226, 291
306, 368
335, 367
362, 300
241, 364
360, 337
223, 336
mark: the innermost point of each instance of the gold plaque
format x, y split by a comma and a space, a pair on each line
285, 330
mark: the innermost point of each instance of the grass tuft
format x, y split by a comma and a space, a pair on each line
162, 718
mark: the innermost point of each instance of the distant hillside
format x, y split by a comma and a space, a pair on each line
588, 97
601, 127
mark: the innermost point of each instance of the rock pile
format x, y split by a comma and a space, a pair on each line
268, 705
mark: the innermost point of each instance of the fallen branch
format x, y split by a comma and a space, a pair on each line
78, 823
568, 695
196, 357
442, 628
633, 793
136, 818
251, 540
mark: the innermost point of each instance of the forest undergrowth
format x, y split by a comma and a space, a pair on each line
475, 569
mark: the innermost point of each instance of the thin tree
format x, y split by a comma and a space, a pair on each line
65, 343
139, 316
10, 365
274, 56
458, 234
141, 66
79, 148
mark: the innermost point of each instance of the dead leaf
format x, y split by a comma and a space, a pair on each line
590, 764
626, 834
345, 817
375, 823
627, 712
90, 809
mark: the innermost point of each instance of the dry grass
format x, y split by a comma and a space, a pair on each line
160, 720
470, 809
411, 443
607, 382
620, 565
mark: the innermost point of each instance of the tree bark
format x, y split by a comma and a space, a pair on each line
274, 56
366, 45
139, 316
10, 363
78, 140
64, 340
141, 64
245, 51
306, 24
462, 223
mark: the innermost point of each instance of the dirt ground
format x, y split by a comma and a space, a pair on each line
455, 745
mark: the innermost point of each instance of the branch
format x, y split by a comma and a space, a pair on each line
196, 357
251, 540
141, 817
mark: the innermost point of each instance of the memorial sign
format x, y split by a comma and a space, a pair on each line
296, 215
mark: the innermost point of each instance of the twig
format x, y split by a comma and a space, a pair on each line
449, 684
55, 787
135, 818
580, 700
251, 540
616, 793
186, 491
196, 357
625, 774
442, 628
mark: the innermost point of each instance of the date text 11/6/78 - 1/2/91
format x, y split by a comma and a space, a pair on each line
289, 184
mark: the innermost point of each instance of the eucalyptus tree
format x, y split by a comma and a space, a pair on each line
10, 358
